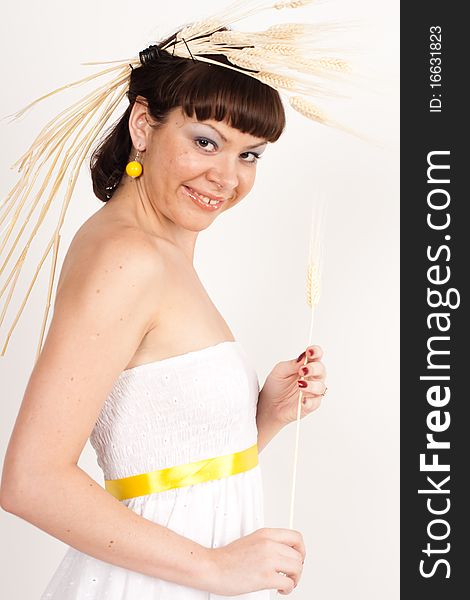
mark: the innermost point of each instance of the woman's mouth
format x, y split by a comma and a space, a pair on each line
201, 200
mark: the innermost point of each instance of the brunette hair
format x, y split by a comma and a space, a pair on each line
199, 88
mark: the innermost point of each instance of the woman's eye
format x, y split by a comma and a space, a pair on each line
255, 155
204, 142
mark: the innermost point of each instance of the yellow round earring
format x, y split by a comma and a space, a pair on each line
134, 167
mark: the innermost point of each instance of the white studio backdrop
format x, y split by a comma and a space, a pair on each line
253, 261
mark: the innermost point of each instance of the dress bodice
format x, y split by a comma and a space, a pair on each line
178, 410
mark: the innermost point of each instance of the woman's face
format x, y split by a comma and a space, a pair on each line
188, 162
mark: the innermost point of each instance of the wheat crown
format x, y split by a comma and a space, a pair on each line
293, 58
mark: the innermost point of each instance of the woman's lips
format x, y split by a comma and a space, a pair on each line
196, 198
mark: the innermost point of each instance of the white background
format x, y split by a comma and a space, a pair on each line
252, 261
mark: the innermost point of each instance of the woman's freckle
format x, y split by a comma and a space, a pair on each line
71, 379
67, 530
120, 266
97, 291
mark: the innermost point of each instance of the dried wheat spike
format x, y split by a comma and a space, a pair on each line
198, 28
223, 37
292, 4
313, 284
245, 60
284, 49
276, 80
257, 53
326, 64
235, 38
307, 109
285, 30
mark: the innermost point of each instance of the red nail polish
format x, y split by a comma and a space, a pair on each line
302, 384
304, 370
301, 357
311, 351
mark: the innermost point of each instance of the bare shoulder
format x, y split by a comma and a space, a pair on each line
96, 253
107, 299
104, 306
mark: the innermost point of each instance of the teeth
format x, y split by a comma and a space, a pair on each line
204, 199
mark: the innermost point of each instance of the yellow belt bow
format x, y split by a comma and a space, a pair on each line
183, 475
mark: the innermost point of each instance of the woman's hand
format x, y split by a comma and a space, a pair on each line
278, 399
267, 559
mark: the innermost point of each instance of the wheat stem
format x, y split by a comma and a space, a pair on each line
314, 271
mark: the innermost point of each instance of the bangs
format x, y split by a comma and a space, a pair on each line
223, 94
207, 91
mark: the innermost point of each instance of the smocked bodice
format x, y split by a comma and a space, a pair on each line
178, 410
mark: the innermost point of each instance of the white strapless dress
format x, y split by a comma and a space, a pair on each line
178, 410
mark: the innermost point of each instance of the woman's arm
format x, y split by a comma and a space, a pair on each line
105, 304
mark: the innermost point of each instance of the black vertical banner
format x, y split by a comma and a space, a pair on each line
435, 268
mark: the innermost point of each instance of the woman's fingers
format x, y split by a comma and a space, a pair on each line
291, 567
312, 375
313, 353
313, 369
284, 584
291, 552
316, 387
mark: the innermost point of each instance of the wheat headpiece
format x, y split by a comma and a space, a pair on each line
293, 58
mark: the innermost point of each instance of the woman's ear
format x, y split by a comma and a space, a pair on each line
139, 128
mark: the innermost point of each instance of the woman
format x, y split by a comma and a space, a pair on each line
138, 358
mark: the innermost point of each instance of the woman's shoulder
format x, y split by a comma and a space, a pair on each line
102, 245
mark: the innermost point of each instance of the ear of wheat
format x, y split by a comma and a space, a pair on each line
314, 274
308, 109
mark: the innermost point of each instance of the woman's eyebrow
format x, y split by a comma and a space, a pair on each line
225, 139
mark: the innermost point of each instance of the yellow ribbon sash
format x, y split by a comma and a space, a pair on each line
183, 475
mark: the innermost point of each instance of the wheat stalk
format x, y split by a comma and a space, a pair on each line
325, 64
276, 81
51, 144
283, 49
312, 112
285, 30
313, 282
292, 4
232, 14
309, 110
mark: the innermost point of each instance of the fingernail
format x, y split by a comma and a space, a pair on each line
301, 357
302, 384
311, 351
304, 370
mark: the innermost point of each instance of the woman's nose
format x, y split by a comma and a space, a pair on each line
224, 175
